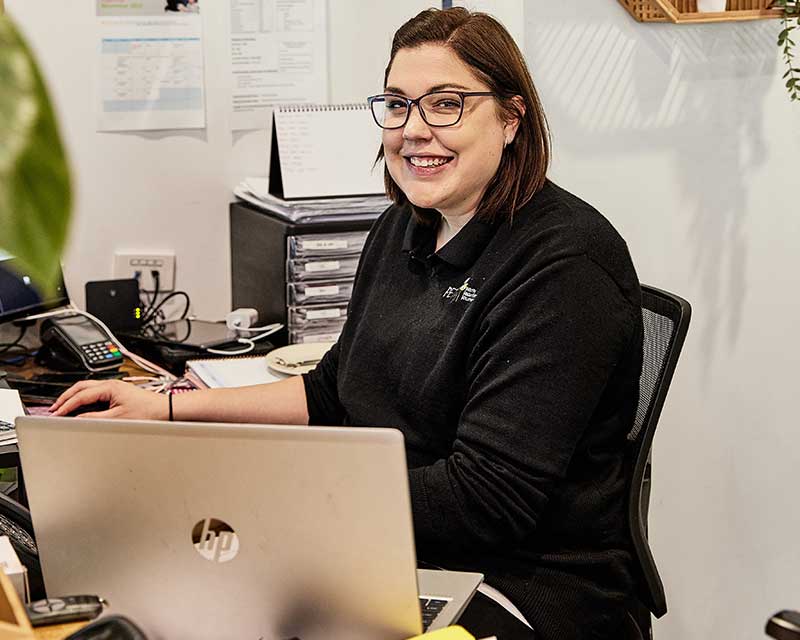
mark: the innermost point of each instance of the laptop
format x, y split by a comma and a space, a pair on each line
212, 531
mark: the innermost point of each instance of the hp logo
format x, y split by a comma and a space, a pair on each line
215, 540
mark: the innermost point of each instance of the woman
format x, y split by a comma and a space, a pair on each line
495, 320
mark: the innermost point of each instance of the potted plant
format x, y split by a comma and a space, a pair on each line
790, 20
35, 191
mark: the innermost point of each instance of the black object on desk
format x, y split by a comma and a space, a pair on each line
174, 357
115, 302
75, 341
46, 387
784, 625
259, 258
100, 405
109, 628
65, 609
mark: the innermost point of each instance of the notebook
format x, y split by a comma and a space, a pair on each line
214, 531
324, 150
231, 372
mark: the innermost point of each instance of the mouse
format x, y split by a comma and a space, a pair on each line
100, 405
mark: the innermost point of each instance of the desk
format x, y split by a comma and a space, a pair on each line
483, 618
57, 631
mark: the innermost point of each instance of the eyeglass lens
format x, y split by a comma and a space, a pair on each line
439, 109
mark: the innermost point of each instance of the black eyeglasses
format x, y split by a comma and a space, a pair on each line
438, 109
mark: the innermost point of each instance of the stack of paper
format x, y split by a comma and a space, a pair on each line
255, 191
10, 409
231, 372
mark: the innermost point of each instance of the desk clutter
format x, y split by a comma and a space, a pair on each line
300, 275
296, 237
327, 209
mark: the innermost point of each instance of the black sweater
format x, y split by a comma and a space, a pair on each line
510, 360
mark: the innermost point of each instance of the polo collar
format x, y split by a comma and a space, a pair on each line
460, 252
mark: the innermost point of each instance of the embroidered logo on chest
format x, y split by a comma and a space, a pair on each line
465, 293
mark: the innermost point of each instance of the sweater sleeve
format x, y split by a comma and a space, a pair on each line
542, 358
322, 395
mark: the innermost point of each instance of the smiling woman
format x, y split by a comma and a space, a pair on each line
496, 322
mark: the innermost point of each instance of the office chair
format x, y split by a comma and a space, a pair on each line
15, 522
666, 320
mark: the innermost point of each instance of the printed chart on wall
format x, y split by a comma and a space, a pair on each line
278, 56
150, 67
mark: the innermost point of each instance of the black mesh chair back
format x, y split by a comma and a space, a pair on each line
666, 320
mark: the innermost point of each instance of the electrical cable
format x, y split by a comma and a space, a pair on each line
144, 363
150, 314
268, 327
250, 342
156, 286
5, 346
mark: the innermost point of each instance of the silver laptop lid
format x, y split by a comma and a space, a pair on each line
210, 531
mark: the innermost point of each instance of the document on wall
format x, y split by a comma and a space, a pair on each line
278, 56
150, 67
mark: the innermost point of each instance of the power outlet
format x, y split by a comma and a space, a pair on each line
131, 265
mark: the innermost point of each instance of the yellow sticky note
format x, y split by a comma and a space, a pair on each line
450, 633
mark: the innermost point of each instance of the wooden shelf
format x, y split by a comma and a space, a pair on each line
685, 11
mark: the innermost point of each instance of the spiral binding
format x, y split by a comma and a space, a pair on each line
302, 108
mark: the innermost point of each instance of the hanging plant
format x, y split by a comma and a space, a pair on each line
35, 193
791, 17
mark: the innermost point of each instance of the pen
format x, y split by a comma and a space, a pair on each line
283, 363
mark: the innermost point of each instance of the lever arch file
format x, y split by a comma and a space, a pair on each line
324, 150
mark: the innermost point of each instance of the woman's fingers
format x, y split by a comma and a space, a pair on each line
75, 388
87, 395
125, 401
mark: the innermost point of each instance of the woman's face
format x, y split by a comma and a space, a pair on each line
469, 150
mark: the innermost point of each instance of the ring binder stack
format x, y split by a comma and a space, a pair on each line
298, 274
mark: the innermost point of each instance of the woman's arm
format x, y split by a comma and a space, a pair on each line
281, 402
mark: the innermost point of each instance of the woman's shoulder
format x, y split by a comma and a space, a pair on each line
567, 220
558, 223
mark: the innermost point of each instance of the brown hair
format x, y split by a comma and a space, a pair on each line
484, 45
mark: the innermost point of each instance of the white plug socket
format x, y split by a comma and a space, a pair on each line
129, 265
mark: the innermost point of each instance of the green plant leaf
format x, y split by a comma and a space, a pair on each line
35, 192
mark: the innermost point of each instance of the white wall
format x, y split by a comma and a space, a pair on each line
682, 136
169, 190
685, 138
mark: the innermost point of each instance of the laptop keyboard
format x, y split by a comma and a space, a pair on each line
431, 607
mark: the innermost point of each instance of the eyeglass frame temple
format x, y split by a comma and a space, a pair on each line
415, 101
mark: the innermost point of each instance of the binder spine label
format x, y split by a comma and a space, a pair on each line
324, 245
331, 290
319, 314
330, 265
